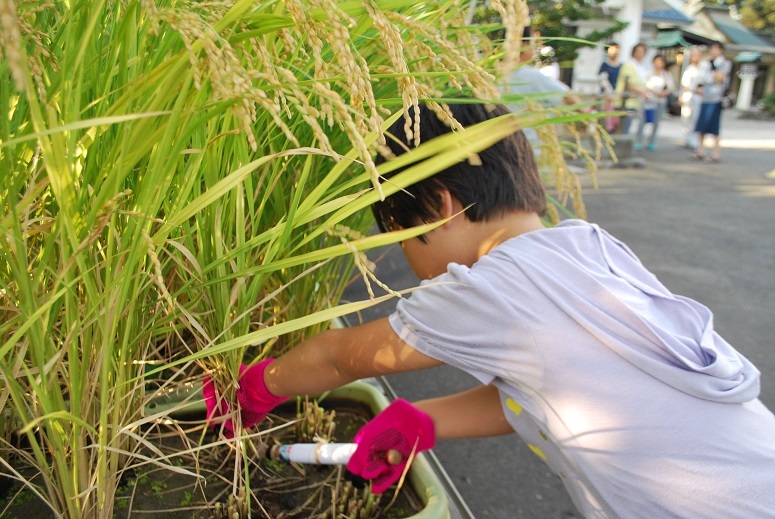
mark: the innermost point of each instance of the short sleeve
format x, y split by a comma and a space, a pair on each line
624, 74
529, 80
461, 320
552, 85
628, 74
670, 81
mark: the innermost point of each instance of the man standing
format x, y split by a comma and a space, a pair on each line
714, 83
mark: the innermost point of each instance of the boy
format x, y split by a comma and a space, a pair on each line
623, 388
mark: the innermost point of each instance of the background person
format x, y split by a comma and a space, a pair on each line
713, 86
690, 98
660, 85
609, 69
549, 67
622, 387
631, 83
608, 74
531, 81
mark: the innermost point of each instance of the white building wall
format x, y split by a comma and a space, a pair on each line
585, 67
631, 12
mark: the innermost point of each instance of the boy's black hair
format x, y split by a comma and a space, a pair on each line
507, 179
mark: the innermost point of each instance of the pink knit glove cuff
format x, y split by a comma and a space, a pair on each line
401, 427
255, 400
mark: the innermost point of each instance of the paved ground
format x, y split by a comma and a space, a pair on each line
706, 230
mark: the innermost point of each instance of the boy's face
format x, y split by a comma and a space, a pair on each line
445, 244
423, 258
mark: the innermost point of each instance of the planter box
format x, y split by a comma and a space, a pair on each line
187, 402
421, 476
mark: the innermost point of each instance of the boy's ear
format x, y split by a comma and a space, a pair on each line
450, 205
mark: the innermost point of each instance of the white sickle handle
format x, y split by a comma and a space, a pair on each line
322, 453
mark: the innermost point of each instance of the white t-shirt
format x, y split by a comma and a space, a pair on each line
658, 82
690, 79
713, 92
623, 388
532, 82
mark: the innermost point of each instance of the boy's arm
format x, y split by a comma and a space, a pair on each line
406, 429
476, 413
335, 357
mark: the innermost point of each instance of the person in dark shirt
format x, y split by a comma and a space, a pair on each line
609, 74
611, 66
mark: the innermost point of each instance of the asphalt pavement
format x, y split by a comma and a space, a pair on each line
706, 230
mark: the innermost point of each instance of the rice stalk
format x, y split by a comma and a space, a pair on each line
183, 190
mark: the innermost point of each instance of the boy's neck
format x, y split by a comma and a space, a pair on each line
488, 235
463, 241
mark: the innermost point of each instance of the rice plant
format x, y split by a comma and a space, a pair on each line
183, 189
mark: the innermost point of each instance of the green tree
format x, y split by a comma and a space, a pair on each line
757, 15
554, 19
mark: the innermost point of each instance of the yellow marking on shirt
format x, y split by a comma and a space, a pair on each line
513, 406
538, 452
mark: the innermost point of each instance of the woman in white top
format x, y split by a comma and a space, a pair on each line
690, 98
660, 85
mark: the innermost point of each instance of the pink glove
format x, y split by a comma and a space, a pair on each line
253, 398
399, 427
216, 407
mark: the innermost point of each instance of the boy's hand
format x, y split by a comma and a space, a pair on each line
400, 427
253, 398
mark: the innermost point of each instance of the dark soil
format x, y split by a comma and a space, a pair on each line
278, 490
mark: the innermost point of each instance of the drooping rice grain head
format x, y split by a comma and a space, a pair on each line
450, 58
516, 16
11, 43
163, 102
410, 95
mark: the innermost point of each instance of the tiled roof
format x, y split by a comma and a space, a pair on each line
736, 31
669, 39
667, 15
